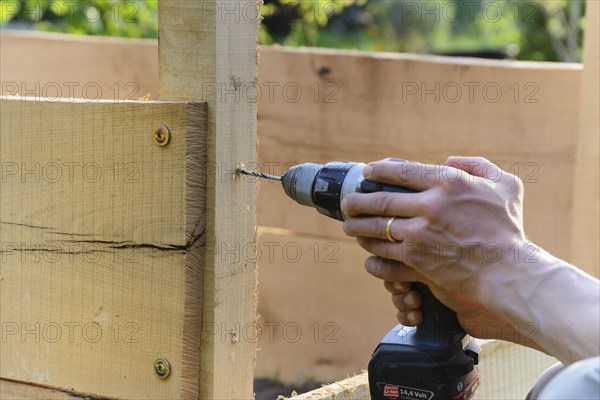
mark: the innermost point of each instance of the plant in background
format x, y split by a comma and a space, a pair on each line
133, 19
540, 30
299, 22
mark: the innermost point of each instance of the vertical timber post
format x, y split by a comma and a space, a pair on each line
208, 52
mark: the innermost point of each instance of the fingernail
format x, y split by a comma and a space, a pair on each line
409, 300
367, 171
399, 286
412, 317
344, 203
373, 265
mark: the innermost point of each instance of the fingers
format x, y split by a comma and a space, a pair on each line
381, 203
407, 301
398, 278
376, 227
410, 318
414, 175
396, 287
393, 271
389, 251
477, 166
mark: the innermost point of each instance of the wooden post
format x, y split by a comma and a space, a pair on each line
208, 51
586, 217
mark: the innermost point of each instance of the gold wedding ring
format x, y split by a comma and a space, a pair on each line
388, 230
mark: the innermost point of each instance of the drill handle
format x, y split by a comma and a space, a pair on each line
372, 187
440, 324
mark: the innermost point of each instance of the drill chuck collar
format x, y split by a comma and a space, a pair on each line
428, 362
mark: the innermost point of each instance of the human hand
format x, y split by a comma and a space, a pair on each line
475, 319
458, 235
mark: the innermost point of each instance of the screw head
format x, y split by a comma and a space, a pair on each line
162, 368
161, 135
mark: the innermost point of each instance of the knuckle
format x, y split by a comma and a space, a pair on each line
482, 161
382, 203
399, 303
415, 233
412, 233
380, 227
428, 210
516, 186
457, 185
405, 171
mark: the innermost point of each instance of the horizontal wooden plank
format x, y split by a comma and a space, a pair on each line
317, 306
75, 170
520, 115
322, 105
19, 391
77, 66
354, 388
102, 234
94, 322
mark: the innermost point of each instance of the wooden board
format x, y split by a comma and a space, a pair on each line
84, 67
204, 52
19, 391
586, 216
355, 388
322, 105
102, 237
318, 307
364, 113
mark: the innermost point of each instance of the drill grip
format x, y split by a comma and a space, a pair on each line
440, 324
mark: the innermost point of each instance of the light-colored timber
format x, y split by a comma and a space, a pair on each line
557, 114
204, 53
102, 235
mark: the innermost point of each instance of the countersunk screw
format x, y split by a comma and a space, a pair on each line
162, 368
161, 135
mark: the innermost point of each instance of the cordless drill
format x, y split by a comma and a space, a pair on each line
427, 362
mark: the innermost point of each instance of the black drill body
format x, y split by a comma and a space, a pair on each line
427, 362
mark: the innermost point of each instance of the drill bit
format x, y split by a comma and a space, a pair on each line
259, 175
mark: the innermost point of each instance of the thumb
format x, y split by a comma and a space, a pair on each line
477, 166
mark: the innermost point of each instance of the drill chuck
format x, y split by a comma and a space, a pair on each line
323, 186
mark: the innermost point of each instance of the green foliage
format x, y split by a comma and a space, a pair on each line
134, 19
313, 16
541, 29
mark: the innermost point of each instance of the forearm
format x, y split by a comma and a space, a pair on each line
558, 301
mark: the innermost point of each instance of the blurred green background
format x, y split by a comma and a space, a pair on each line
540, 30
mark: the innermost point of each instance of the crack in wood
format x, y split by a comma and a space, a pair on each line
123, 245
28, 226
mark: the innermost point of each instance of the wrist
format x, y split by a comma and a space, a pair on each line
553, 304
